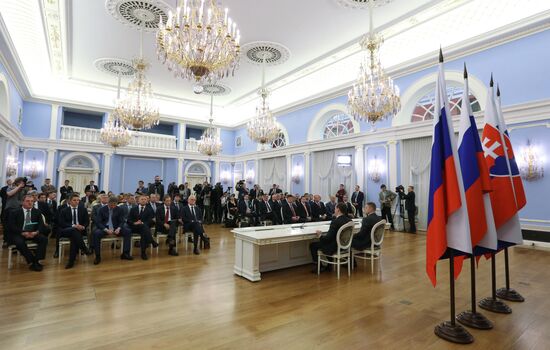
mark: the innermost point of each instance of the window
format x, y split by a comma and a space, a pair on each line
338, 125
424, 109
280, 141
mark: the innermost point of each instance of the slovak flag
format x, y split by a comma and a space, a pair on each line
475, 176
448, 225
508, 196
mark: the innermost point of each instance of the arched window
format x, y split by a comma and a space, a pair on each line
280, 141
424, 108
338, 125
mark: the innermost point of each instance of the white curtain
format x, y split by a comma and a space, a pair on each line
416, 172
273, 171
327, 175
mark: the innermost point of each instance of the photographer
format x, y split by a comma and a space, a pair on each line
157, 187
199, 196
215, 199
386, 197
410, 207
207, 202
15, 194
240, 187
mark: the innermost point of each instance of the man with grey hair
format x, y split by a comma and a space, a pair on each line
192, 221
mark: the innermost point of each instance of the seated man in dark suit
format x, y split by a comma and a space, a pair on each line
139, 221
247, 209
265, 209
192, 221
362, 239
26, 224
73, 220
304, 210
348, 205
288, 211
318, 209
110, 221
275, 203
167, 217
45, 210
327, 242
331, 206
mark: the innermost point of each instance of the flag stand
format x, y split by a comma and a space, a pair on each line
449, 330
492, 303
472, 318
507, 293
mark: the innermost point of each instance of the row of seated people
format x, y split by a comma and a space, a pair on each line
289, 209
72, 220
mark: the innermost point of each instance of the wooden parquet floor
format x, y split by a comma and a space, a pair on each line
195, 302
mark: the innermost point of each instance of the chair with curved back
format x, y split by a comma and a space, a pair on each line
374, 251
343, 253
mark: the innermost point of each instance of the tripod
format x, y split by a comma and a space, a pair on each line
400, 201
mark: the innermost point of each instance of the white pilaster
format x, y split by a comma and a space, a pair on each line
181, 137
288, 174
50, 163
3, 142
257, 172
180, 171
307, 171
392, 162
360, 166
53, 121
106, 171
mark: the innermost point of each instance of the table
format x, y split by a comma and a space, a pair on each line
268, 248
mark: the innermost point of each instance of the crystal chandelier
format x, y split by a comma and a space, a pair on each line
373, 97
113, 133
210, 143
138, 109
263, 127
199, 42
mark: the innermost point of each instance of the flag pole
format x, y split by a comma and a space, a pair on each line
472, 318
450, 330
508, 293
492, 303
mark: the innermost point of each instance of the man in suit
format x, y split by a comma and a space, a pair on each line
127, 205
139, 221
86, 201
177, 203
265, 209
65, 190
275, 203
45, 209
386, 197
110, 221
141, 189
318, 209
215, 198
92, 188
331, 208
362, 239
47, 187
247, 209
288, 211
304, 210
73, 220
103, 201
410, 207
341, 193
192, 221
357, 198
348, 205
167, 217
157, 187
26, 224
52, 204
327, 242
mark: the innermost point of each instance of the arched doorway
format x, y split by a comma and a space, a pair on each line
196, 172
79, 168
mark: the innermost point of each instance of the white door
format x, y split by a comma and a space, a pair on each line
192, 180
79, 180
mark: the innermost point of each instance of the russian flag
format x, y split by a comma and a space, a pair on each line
448, 225
475, 177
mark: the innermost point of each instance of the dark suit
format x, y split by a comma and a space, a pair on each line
125, 210
91, 188
65, 191
410, 207
67, 230
193, 223
327, 242
358, 197
173, 222
273, 191
142, 190
349, 207
117, 221
46, 211
362, 239
317, 210
265, 210
287, 212
146, 216
303, 210
277, 220
157, 188
330, 207
14, 229
248, 209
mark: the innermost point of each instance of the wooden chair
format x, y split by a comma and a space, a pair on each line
158, 236
374, 251
343, 253
12, 248
64, 241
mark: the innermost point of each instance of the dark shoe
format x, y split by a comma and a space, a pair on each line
56, 255
155, 244
196, 251
87, 251
172, 252
69, 265
97, 260
144, 256
35, 267
190, 239
126, 257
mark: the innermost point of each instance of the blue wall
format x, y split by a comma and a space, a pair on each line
16, 102
299, 161
228, 141
163, 129
379, 152
193, 132
36, 114
83, 119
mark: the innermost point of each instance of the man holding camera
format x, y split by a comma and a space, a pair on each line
410, 207
386, 198
157, 187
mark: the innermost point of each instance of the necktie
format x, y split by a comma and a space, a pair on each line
268, 207
27, 217
292, 208
140, 210
305, 207
110, 222
74, 216
167, 216
193, 212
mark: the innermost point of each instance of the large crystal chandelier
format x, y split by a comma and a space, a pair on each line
373, 97
138, 109
199, 41
210, 143
263, 127
113, 133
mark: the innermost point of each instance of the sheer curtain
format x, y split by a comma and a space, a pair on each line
327, 175
273, 171
416, 172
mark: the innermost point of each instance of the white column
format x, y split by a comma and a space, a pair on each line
360, 166
180, 171
217, 170
181, 137
53, 122
257, 172
106, 170
307, 170
3, 142
288, 174
392, 164
50, 163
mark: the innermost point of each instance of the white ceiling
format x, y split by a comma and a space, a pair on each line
321, 35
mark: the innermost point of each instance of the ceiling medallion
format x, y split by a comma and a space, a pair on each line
362, 4
271, 53
140, 14
216, 89
115, 66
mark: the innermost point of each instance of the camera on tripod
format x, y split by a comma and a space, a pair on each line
400, 189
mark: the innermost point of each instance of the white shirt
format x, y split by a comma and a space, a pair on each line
167, 209
73, 212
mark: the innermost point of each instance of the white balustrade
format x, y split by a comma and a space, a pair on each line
191, 145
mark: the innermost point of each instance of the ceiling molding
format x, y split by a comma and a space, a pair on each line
9, 59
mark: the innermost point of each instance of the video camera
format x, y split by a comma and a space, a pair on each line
400, 189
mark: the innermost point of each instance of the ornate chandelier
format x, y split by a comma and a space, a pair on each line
113, 133
263, 127
373, 97
199, 42
210, 143
138, 109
